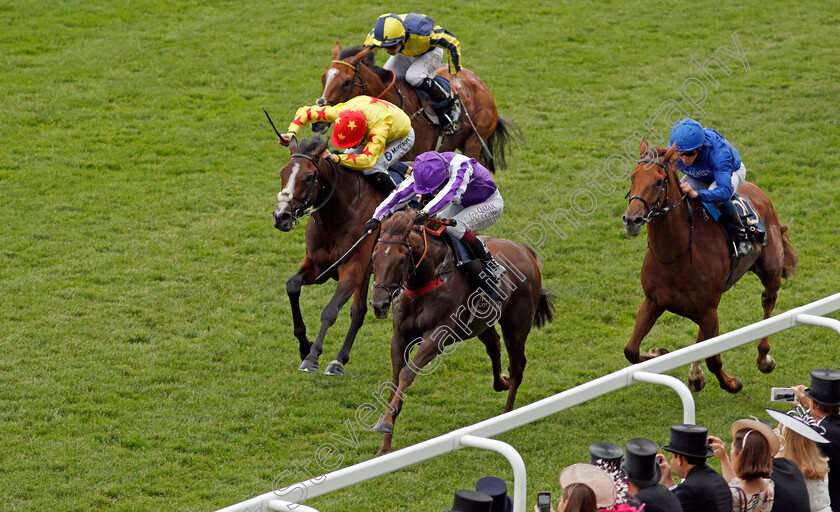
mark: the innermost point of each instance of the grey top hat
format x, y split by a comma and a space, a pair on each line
471, 501
825, 387
689, 440
640, 464
609, 453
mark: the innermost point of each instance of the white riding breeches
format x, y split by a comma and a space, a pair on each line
476, 217
415, 69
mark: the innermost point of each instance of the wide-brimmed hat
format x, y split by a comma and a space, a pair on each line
762, 428
799, 421
471, 501
825, 387
609, 453
640, 464
689, 440
595, 478
496, 488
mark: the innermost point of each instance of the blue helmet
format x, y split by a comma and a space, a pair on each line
688, 134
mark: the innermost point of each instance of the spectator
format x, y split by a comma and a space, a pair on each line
643, 474
471, 501
753, 446
702, 488
823, 399
801, 434
605, 455
496, 488
594, 478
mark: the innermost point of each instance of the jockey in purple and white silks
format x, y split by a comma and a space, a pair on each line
465, 192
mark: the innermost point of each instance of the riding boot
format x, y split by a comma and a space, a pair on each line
474, 270
382, 182
444, 105
743, 245
492, 269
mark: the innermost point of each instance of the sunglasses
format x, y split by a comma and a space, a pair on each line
690, 152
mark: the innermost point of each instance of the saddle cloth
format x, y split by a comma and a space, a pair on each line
749, 217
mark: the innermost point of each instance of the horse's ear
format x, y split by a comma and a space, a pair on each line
361, 55
336, 50
320, 149
293, 147
643, 146
671, 151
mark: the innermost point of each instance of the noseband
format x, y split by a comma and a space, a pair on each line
655, 210
306, 203
394, 289
356, 76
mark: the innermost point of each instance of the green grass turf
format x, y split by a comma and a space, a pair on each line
147, 357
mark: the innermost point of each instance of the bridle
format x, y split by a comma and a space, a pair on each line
394, 289
304, 204
359, 82
655, 209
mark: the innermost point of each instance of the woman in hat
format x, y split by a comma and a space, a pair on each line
749, 464
800, 435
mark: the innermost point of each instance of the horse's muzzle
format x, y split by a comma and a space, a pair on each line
283, 221
632, 224
380, 309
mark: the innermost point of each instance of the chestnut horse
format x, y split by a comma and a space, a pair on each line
340, 201
435, 307
352, 73
687, 266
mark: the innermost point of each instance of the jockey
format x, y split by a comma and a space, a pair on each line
373, 132
713, 172
416, 44
465, 192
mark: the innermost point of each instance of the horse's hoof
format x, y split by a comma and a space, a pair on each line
738, 386
334, 368
766, 365
383, 428
657, 351
697, 385
503, 385
308, 366
382, 451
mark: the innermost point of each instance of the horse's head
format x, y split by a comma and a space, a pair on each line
648, 184
343, 80
300, 182
393, 261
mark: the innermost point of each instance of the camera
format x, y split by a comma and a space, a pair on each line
544, 501
782, 395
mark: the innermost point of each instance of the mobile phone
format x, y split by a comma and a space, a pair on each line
782, 395
544, 501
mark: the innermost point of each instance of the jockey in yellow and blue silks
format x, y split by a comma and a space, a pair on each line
713, 172
416, 45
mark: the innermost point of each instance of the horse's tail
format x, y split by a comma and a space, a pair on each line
545, 309
790, 264
499, 142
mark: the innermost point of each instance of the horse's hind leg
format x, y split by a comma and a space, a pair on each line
771, 278
490, 338
709, 329
357, 318
303, 276
515, 336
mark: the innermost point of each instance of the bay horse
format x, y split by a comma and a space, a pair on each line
434, 306
688, 264
341, 201
352, 73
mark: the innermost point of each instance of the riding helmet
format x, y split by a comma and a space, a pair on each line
388, 31
688, 134
429, 172
349, 128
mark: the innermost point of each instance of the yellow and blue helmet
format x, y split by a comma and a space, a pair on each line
388, 31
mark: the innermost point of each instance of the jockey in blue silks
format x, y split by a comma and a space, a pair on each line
465, 192
713, 172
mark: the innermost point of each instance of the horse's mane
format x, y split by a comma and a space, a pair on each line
399, 223
309, 144
368, 61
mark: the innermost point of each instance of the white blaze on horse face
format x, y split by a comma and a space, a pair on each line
285, 195
330, 76
387, 250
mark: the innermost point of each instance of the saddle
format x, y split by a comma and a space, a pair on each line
749, 217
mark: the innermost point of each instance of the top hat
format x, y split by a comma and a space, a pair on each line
609, 453
471, 501
689, 440
761, 428
640, 464
496, 488
595, 478
825, 387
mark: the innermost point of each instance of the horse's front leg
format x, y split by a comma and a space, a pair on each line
709, 329
357, 318
348, 281
304, 275
648, 313
399, 349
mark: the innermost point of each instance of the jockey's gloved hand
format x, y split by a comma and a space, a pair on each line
421, 217
372, 225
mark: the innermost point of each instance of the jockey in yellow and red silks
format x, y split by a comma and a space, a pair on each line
416, 45
374, 133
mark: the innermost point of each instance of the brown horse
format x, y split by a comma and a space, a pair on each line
340, 201
688, 264
436, 308
352, 73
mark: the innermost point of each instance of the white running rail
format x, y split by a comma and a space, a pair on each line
476, 435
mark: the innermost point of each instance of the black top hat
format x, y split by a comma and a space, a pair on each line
496, 488
640, 464
610, 453
689, 440
471, 501
825, 387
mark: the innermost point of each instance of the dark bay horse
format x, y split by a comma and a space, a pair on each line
434, 307
340, 201
352, 73
688, 260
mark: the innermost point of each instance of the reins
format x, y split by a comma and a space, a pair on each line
433, 283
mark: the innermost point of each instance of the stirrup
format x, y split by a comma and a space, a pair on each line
495, 270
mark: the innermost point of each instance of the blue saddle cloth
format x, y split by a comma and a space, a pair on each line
749, 217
